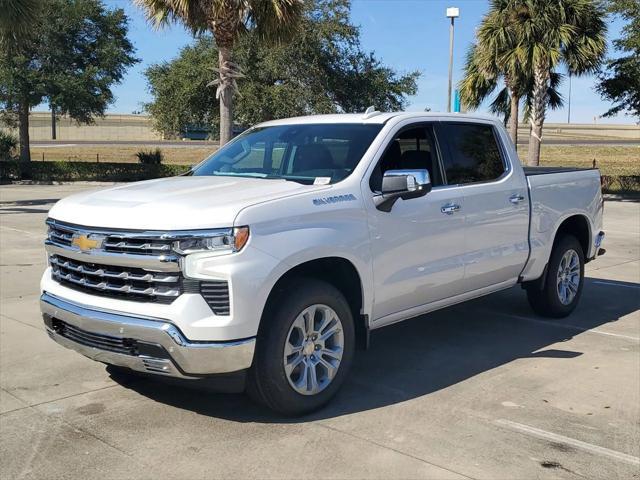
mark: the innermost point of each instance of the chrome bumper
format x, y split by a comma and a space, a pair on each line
153, 345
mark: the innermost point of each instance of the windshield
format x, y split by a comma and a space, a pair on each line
304, 153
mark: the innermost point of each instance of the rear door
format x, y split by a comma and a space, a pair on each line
496, 204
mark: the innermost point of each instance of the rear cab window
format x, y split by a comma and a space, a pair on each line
471, 153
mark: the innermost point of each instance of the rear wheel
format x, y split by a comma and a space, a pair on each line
304, 350
563, 282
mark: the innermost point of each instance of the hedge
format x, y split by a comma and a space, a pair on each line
87, 171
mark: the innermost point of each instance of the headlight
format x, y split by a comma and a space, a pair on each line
227, 240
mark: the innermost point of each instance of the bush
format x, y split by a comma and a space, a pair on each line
629, 183
86, 171
152, 157
8, 145
607, 182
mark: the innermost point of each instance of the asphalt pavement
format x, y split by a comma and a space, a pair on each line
485, 389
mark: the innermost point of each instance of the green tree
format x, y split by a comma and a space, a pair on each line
549, 34
620, 81
227, 21
79, 52
324, 71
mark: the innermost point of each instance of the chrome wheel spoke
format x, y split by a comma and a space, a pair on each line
312, 378
335, 354
332, 330
290, 349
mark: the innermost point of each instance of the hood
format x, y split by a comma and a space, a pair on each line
176, 203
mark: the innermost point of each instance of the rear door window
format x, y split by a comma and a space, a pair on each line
472, 153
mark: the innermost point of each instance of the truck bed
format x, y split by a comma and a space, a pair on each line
530, 171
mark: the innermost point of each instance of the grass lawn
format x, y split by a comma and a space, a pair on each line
619, 160
611, 160
187, 155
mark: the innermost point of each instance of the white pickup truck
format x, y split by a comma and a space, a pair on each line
276, 255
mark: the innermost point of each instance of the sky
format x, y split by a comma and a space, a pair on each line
406, 35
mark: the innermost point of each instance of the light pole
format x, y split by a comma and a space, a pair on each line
569, 112
452, 13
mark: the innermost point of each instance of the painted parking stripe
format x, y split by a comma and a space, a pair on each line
614, 284
587, 447
563, 325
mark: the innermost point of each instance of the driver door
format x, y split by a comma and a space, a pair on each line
418, 247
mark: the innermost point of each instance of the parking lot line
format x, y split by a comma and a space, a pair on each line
588, 447
615, 284
564, 325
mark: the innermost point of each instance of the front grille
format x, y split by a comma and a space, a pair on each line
216, 294
113, 281
102, 266
114, 242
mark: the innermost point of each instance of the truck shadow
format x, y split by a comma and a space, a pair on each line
426, 354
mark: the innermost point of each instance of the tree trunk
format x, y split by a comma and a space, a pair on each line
225, 92
513, 118
538, 107
23, 131
53, 122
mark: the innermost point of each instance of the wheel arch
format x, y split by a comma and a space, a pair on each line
335, 270
579, 226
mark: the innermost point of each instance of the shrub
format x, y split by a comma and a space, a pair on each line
8, 145
629, 183
152, 157
607, 182
87, 171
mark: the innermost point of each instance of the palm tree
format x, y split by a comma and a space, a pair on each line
18, 23
487, 63
549, 34
227, 20
482, 77
17, 20
478, 84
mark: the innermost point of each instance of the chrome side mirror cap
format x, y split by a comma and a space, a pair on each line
404, 184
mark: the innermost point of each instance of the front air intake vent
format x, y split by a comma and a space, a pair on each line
216, 294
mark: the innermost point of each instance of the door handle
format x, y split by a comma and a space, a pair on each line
450, 208
516, 199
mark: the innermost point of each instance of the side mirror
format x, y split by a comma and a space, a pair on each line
405, 184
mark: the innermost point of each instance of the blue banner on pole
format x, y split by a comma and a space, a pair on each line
456, 101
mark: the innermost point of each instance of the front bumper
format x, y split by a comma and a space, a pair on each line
144, 344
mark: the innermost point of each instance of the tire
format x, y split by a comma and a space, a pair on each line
291, 390
563, 280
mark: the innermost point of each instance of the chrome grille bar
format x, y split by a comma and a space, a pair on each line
135, 284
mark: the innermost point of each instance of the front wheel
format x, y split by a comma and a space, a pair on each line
304, 350
563, 283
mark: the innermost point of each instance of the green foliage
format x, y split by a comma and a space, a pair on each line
620, 80
8, 145
16, 21
77, 51
151, 157
87, 171
325, 70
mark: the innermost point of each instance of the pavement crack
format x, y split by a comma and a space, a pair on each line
21, 322
387, 447
50, 401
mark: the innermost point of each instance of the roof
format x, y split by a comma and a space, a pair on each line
378, 118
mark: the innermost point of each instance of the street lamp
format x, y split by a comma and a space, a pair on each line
452, 13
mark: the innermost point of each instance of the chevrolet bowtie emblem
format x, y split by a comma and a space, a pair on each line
87, 242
